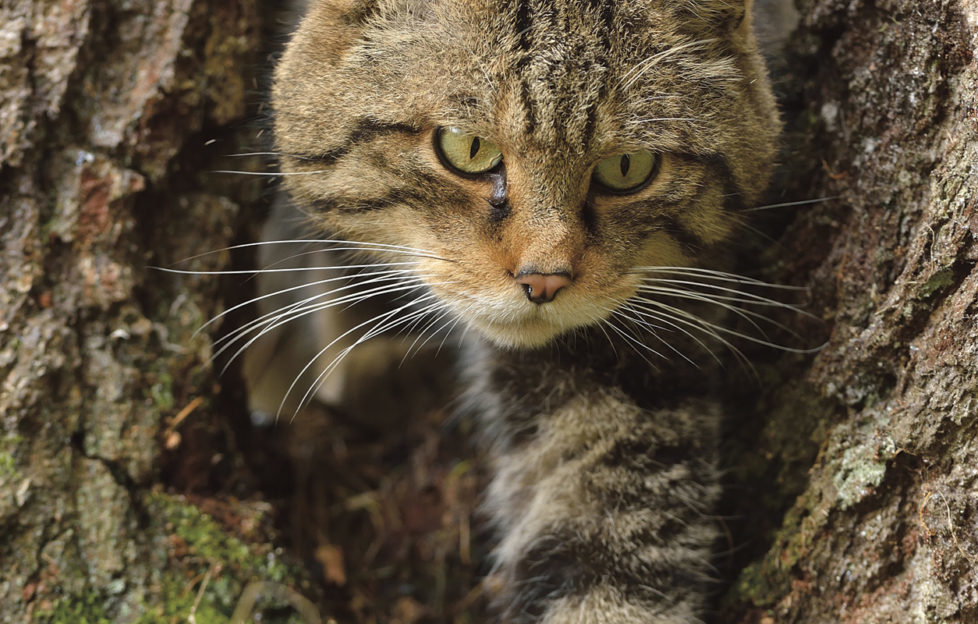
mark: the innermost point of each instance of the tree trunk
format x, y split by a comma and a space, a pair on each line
106, 109
871, 447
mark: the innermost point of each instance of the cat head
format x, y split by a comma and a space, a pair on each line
534, 153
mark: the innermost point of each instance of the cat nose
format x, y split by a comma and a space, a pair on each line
542, 287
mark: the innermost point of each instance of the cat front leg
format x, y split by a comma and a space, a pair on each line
605, 513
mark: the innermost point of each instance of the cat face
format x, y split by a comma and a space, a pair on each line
533, 160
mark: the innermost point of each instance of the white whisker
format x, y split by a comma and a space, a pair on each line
665, 319
738, 296
311, 309
803, 202
633, 342
282, 291
365, 246
421, 333
719, 276
718, 328
747, 315
270, 174
651, 328
382, 325
692, 321
287, 270
298, 306
635, 73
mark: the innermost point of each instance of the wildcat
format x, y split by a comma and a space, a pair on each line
557, 177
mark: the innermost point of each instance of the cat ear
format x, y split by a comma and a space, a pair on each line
337, 24
730, 16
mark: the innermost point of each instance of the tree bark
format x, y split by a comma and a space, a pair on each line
872, 445
106, 108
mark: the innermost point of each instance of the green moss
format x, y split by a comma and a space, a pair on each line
939, 281
8, 464
83, 609
162, 392
177, 603
207, 551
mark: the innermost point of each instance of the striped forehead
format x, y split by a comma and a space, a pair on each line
558, 68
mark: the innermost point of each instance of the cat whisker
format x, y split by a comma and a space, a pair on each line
421, 334
450, 323
380, 328
317, 383
664, 319
298, 305
720, 276
635, 73
803, 202
310, 252
606, 335
286, 270
738, 296
747, 315
359, 245
268, 174
448, 332
633, 342
382, 324
651, 328
724, 330
289, 316
666, 313
305, 157
299, 287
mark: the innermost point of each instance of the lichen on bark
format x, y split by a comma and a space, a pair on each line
883, 99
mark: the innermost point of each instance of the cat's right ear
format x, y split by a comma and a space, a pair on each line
337, 25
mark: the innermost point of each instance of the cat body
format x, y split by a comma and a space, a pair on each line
540, 172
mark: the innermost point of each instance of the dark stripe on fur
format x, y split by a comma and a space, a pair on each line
566, 563
720, 170
527, 99
364, 130
690, 242
607, 16
391, 198
523, 26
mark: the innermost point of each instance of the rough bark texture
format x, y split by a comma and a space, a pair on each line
884, 527
105, 107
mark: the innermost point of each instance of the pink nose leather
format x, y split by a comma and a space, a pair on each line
542, 287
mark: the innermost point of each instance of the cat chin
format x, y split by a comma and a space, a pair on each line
520, 336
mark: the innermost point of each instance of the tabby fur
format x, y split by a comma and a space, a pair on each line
604, 482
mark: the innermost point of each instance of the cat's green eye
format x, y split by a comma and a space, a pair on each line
465, 152
627, 173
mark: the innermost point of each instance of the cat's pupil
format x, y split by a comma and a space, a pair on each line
624, 164
474, 148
